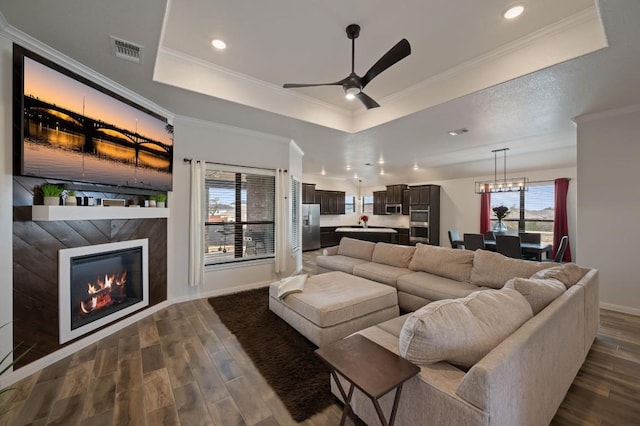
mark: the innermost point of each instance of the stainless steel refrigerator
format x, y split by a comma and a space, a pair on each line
310, 226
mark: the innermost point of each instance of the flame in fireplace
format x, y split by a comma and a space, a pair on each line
105, 292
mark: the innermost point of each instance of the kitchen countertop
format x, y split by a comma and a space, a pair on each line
368, 230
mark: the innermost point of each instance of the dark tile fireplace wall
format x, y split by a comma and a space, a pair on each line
35, 265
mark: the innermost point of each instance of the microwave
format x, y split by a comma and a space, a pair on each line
393, 209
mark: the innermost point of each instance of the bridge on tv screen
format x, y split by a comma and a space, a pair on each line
71, 121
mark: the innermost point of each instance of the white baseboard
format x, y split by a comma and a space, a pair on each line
619, 308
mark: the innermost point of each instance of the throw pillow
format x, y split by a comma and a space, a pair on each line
567, 273
463, 331
442, 261
494, 270
290, 285
538, 292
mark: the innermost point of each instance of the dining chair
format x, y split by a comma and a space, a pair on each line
489, 235
509, 245
562, 247
473, 242
454, 239
531, 238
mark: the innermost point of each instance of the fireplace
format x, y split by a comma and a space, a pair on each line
100, 284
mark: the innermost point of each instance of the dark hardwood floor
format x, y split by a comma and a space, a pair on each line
181, 366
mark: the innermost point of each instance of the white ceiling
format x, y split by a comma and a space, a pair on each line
512, 84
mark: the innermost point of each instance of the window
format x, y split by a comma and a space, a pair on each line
531, 211
367, 204
240, 214
349, 204
295, 213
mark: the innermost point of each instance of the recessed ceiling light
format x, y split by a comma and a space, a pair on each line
415, 167
381, 161
381, 171
323, 172
458, 131
218, 44
513, 12
348, 167
355, 176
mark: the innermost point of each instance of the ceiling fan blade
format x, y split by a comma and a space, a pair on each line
294, 85
398, 52
367, 101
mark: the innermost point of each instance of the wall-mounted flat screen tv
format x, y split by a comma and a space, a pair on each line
69, 128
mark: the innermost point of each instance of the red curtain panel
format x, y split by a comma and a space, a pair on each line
560, 225
485, 212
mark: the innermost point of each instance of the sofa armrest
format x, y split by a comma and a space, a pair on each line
330, 251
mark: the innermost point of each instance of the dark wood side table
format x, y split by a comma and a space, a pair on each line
369, 367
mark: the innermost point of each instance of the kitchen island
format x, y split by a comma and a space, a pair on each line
376, 235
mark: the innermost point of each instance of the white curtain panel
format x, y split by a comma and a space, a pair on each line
196, 224
282, 220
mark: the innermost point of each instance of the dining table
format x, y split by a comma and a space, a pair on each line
536, 249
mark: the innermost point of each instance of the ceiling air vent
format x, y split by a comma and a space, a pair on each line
126, 50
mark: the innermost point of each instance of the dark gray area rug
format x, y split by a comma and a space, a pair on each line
283, 356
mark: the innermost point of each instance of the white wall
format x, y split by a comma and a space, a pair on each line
219, 144
6, 210
609, 203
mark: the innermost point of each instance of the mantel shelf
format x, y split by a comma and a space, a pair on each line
52, 213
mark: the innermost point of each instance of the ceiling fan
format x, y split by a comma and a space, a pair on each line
353, 83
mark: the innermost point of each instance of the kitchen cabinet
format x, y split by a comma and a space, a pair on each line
328, 236
395, 193
331, 202
420, 194
402, 236
379, 201
309, 193
406, 194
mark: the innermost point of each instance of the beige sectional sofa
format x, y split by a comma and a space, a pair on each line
520, 381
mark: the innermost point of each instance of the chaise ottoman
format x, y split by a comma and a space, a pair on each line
334, 305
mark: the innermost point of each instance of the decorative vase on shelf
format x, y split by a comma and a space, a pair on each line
500, 228
51, 201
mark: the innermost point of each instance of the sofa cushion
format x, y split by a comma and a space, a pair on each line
538, 292
567, 273
384, 274
356, 248
463, 331
494, 270
393, 254
339, 263
433, 287
442, 261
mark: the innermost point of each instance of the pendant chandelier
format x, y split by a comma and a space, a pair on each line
501, 185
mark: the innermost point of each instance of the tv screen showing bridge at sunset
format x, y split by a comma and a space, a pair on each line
72, 129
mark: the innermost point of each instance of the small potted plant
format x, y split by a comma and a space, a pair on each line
161, 200
51, 194
70, 198
152, 200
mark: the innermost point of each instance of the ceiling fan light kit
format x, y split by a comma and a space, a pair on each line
353, 83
